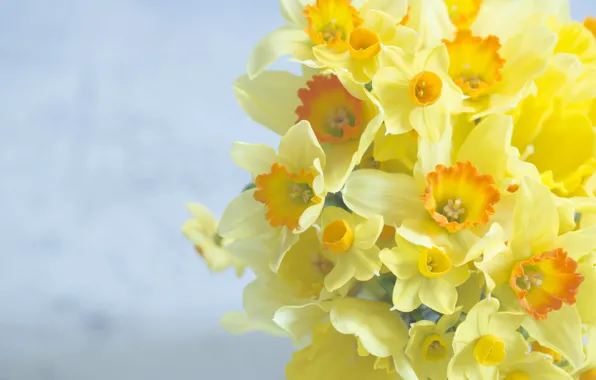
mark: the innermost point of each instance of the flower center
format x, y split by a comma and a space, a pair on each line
364, 43
546, 281
588, 375
338, 236
489, 350
459, 197
434, 263
330, 22
286, 195
434, 348
517, 375
425, 88
475, 64
463, 12
334, 114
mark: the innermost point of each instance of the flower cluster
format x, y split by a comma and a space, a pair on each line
430, 212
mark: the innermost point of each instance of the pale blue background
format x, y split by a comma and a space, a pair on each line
113, 114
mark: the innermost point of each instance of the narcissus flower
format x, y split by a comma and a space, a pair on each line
289, 192
311, 23
424, 275
202, 231
495, 75
365, 46
456, 194
484, 341
430, 347
540, 274
417, 95
344, 117
351, 240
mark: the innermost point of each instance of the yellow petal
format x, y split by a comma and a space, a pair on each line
243, 218
535, 220
431, 19
283, 41
256, 158
366, 234
299, 147
393, 196
585, 296
439, 295
341, 273
270, 99
396, 9
561, 331
291, 11
241, 323
488, 144
342, 158
406, 293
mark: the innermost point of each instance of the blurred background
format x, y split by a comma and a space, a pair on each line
113, 115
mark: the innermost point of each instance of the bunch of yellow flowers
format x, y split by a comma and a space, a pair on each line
430, 212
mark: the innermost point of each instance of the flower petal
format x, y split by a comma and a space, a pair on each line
439, 295
367, 233
405, 294
562, 331
283, 41
299, 147
244, 217
488, 144
271, 98
256, 158
370, 192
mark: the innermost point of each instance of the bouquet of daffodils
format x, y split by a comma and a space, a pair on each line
430, 211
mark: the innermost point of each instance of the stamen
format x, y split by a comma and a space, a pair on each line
453, 210
302, 191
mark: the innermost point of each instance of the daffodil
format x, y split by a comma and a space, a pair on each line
564, 93
344, 116
417, 94
430, 347
289, 192
496, 75
202, 231
424, 275
543, 273
329, 23
352, 241
366, 45
450, 200
485, 340
351, 339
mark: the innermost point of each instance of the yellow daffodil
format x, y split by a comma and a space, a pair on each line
542, 273
366, 45
448, 198
424, 275
484, 341
563, 95
202, 231
329, 23
352, 339
496, 75
417, 95
289, 192
430, 347
531, 366
588, 369
352, 241
344, 116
